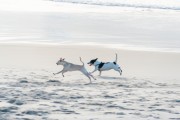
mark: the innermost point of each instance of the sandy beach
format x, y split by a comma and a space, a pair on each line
149, 87
35, 34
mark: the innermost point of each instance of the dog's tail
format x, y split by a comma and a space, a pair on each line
81, 61
116, 58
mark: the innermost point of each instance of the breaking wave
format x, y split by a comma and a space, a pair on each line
150, 4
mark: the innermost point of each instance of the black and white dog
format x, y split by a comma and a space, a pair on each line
101, 66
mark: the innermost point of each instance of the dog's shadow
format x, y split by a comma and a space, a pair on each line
112, 78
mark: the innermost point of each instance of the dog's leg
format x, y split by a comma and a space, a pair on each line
92, 76
63, 74
84, 71
58, 72
94, 70
62, 71
119, 71
86, 74
100, 73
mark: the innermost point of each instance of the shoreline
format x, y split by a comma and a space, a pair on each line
92, 44
55, 28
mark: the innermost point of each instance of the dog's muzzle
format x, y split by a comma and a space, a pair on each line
89, 64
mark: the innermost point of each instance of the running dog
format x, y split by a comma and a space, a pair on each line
72, 67
101, 66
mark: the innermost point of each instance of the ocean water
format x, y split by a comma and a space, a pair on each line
151, 25
152, 4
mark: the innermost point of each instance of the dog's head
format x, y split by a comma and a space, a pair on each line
61, 61
92, 61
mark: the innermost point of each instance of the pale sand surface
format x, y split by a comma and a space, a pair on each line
148, 89
134, 63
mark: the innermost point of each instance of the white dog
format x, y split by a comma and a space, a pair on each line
72, 67
101, 66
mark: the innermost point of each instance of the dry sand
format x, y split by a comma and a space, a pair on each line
148, 89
